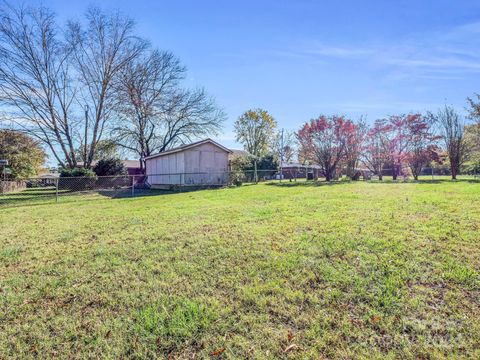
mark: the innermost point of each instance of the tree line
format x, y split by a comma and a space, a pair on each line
73, 86
400, 144
88, 87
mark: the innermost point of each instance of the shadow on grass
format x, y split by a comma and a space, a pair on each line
25, 200
344, 182
33, 197
307, 183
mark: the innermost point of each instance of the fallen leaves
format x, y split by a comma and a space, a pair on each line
218, 352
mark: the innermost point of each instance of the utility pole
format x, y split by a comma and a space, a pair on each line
281, 156
86, 133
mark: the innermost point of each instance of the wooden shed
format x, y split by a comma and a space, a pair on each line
202, 163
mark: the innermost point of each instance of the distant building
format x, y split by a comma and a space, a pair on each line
202, 163
236, 153
299, 171
132, 166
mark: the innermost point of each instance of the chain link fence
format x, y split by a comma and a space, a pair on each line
62, 189
405, 174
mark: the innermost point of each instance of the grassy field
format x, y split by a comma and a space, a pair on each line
348, 270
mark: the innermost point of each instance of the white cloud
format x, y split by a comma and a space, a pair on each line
433, 55
339, 52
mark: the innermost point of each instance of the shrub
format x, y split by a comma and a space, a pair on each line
236, 178
471, 168
109, 167
76, 172
242, 168
76, 179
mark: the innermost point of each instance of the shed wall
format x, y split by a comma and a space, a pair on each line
167, 169
205, 164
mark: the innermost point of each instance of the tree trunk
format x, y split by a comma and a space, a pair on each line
394, 172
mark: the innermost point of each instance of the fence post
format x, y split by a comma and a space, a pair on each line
56, 190
133, 185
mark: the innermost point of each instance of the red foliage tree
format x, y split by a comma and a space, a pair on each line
398, 141
325, 141
376, 148
421, 157
354, 150
422, 148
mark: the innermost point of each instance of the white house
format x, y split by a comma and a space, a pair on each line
200, 163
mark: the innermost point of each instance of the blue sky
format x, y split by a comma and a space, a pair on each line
299, 59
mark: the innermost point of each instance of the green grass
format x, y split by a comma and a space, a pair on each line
347, 270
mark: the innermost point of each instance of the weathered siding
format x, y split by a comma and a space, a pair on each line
167, 169
205, 164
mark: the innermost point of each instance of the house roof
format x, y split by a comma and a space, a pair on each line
129, 164
299, 165
189, 146
49, 176
239, 153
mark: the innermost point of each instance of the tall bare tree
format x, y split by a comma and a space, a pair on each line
36, 87
154, 112
46, 79
451, 127
100, 52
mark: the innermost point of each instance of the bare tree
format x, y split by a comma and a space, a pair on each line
284, 145
100, 52
451, 128
190, 114
36, 87
154, 113
47, 80
144, 89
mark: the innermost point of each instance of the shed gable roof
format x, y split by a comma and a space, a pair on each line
189, 146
